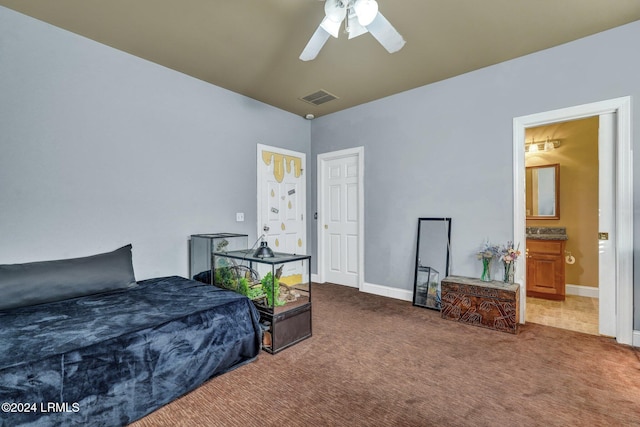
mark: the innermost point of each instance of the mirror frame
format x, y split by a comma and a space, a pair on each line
447, 222
556, 167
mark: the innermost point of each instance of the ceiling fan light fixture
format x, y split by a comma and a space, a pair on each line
353, 25
331, 27
335, 10
366, 11
363, 17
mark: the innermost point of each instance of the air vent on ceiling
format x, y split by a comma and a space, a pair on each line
319, 97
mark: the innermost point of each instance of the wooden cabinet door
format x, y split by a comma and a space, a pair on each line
545, 270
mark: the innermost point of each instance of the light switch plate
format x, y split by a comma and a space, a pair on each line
239, 216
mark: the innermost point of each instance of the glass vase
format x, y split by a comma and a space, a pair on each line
508, 272
486, 269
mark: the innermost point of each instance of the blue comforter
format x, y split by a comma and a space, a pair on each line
109, 359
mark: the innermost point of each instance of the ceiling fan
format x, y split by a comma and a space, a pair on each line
362, 16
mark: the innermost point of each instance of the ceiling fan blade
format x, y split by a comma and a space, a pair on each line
384, 32
318, 39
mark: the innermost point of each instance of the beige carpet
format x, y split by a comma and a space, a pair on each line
375, 361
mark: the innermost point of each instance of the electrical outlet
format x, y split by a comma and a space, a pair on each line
239, 216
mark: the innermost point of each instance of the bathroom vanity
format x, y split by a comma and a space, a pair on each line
545, 262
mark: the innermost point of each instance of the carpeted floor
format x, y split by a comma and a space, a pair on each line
375, 361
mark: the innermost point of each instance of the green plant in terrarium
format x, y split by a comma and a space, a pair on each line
255, 293
249, 291
224, 277
243, 286
271, 288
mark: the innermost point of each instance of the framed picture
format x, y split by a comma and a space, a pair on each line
432, 261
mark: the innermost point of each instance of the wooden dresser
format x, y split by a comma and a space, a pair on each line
545, 269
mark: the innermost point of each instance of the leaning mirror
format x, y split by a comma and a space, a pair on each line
432, 260
543, 192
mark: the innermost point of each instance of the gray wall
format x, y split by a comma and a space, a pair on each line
445, 150
99, 149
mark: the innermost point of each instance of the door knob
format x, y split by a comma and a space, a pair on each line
326, 227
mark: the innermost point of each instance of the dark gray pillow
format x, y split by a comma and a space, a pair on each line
39, 282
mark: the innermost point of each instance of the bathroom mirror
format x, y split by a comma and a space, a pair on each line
432, 261
543, 192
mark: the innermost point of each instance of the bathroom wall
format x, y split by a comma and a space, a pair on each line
578, 159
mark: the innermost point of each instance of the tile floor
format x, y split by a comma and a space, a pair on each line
575, 313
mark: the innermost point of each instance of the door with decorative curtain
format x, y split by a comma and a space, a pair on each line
282, 201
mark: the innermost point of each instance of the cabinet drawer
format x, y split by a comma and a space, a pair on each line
551, 247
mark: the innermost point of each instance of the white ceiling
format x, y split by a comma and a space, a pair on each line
252, 46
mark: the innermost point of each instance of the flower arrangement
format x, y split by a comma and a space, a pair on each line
489, 251
486, 254
506, 253
508, 256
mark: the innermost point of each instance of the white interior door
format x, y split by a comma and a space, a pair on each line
339, 221
282, 199
606, 224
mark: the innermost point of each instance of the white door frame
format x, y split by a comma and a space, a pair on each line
260, 184
623, 202
322, 158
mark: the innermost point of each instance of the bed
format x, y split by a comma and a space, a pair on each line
111, 357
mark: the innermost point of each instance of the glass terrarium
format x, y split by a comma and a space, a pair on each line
275, 284
427, 292
280, 287
204, 245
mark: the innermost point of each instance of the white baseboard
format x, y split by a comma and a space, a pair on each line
384, 291
636, 339
387, 291
582, 291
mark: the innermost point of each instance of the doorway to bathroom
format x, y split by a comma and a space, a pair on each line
616, 301
562, 196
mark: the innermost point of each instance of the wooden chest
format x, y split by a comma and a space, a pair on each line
494, 305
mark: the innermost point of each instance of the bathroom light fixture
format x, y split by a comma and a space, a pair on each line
535, 147
548, 146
